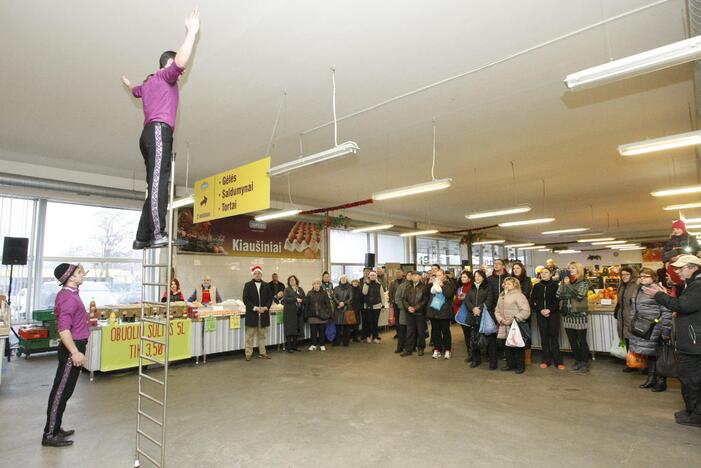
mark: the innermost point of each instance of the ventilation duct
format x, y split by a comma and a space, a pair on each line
21, 181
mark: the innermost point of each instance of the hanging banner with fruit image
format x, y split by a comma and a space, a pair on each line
243, 236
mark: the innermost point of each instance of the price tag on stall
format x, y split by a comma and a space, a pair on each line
210, 324
235, 322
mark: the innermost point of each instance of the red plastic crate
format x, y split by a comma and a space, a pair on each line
34, 333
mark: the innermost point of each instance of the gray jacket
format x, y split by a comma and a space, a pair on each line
398, 295
648, 307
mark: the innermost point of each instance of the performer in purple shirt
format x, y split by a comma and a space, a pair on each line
72, 324
159, 93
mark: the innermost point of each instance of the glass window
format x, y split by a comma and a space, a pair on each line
348, 247
390, 249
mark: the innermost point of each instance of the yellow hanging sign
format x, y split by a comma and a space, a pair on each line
233, 192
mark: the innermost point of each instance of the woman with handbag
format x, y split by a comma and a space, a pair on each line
623, 313
650, 322
342, 297
292, 300
512, 305
357, 307
463, 289
546, 308
318, 310
574, 307
479, 297
440, 311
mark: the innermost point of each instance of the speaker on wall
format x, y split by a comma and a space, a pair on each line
370, 260
14, 251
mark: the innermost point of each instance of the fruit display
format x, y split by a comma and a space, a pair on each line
607, 293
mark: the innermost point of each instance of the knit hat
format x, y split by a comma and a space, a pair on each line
64, 271
255, 268
679, 224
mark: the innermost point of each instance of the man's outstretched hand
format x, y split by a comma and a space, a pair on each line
192, 22
126, 82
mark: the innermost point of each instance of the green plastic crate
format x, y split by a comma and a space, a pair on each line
32, 345
43, 315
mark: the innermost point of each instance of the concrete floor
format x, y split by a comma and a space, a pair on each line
357, 406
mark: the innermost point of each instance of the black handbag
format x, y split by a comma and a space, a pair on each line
642, 327
525, 331
565, 307
666, 360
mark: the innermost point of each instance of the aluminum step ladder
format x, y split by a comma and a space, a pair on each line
154, 346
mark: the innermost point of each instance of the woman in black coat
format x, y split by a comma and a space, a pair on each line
481, 295
292, 300
319, 311
342, 297
441, 288
357, 303
546, 307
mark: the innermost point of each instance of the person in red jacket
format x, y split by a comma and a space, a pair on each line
464, 286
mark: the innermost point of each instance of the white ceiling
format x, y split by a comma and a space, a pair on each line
63, 104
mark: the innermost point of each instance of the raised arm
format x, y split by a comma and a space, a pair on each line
192, 24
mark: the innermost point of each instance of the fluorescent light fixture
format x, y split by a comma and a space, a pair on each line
544, 250
516, 246
183, 202
568, 251
607, 243
660, 144
683, 206
622, 246
598, 239
590, 234
506, 211
638, 64
694, 233
527, 221
632, 248
500, 241
564, 231
692, 220
277, 214
437, 184
377, 227
418, 233
676, 191
693, 226
349, 147
533, 247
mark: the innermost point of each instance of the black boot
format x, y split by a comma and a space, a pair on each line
661, 385
651, 378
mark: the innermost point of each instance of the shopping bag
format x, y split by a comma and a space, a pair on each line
330, 331
391, 321
618, 349
462, 317
437, 301
636, 361
525, 329
279, 317
667, 360
487, 325
514, 339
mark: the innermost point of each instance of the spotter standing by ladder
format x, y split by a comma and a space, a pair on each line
160, 96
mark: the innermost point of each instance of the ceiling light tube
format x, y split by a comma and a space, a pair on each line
660, 144
277, 214
598, 239
516, 246
377, 227
568, 251
349, 147
418, 233
436, 184
632, 248
638, 64
691, 220
693, 226
684, 206
527, 221
183, 202
500, 241
607, 243
622, 246
506, 211
564, 231
544, 250
676, 191
533, 247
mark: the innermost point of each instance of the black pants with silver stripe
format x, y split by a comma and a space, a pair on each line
156, 145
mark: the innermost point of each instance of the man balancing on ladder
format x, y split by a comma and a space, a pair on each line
159, 93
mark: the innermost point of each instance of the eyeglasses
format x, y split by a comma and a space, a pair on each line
645, 276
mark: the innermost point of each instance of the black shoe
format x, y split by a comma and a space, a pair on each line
421, 352
577, 365
290, 350
405, 354
584, 369
681, 415
520, 371
628, 370
650, 382
661, 385
690, 421
507, 368
158, 243
474, 364
395, 337
397, 351
139, 245
64, 433
56, 441
492, 367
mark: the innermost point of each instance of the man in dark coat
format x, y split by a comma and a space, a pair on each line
496, 279
258, 298
277, 288
687, 324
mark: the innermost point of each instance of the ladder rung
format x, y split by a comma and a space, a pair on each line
155, 284
148, 457
142, 433
151, 340
151, 398
152, 320
148, 377
155, 265
154, 420
142, 356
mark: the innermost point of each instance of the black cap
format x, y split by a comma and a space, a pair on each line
64, 271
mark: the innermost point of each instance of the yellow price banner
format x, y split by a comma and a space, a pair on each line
233, 192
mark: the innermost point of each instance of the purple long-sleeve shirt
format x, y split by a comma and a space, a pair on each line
71, 314
160, 95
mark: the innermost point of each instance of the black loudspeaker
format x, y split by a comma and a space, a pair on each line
465, 263
14, 251
370, 260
